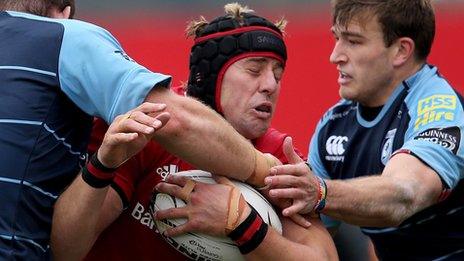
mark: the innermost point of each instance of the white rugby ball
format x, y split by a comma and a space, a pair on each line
199, 246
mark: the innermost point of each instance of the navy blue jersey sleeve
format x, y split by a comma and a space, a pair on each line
435, 132
98, 76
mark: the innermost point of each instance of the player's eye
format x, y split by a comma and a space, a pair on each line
278, 72
253, 71
353, 41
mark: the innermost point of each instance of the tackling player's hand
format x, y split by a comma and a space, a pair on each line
294, 181
130, 132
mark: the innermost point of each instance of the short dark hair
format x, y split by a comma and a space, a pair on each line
398, 18
37, 7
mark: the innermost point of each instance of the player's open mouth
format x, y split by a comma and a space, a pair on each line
344, 75
344, 78
264, 110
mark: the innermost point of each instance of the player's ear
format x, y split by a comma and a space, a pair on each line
67, 12
403, 49
55, 12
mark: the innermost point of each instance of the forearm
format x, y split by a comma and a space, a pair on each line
371, 201
276, 247
255, 239
296, 243
203, 138
88, 206
75, 220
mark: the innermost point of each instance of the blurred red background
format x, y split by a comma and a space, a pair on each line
309, 86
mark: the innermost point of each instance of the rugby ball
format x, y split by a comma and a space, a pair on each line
200, 246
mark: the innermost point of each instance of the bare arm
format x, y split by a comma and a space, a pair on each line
296, 243
81, 214
200, 136
82, 211
405, 187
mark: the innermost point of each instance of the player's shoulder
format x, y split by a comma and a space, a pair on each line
70, 25
81, 32
429, 85
432, 99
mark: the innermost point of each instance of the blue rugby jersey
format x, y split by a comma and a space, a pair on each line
54, 76
425, 117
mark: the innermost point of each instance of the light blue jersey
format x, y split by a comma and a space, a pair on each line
423, 117
56, 75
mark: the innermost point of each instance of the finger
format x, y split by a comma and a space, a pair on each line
119, 138
179, 230
150, 107
293, 193
285, 181
298, 169
130, 125
177, 186
294, 209
171, 213
289, 151
185, 192
177, 180
144, 119
170, 189
300, 220
304, 206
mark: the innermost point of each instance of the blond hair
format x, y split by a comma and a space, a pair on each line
232, 10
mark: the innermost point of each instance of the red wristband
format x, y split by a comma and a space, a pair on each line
250, 233
96, 175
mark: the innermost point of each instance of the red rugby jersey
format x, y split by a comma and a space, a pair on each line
134, 234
